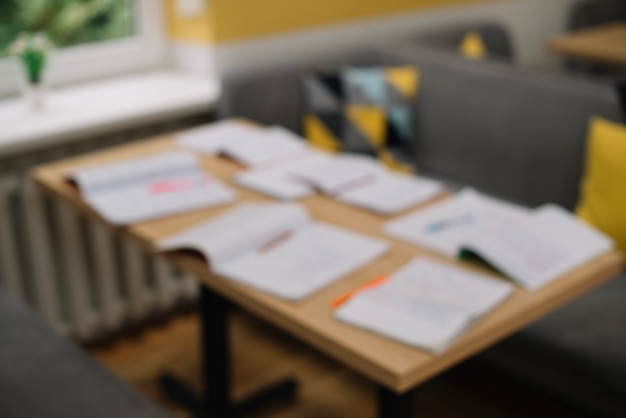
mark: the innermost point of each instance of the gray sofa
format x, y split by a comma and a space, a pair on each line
44, 376
515, 134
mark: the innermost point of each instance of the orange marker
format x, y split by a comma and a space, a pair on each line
372, 284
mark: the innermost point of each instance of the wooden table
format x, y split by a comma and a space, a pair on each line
604, 44
396, 368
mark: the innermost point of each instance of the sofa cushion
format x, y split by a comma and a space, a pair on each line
603, 195
44, 376
366, 110
578, 352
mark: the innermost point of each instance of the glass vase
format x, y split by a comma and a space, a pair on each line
35, 96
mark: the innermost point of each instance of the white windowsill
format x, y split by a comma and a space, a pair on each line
102, 107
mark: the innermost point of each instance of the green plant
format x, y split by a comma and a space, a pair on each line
67, 22
32, 51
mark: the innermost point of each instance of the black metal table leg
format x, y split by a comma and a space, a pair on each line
215, 401
395, 405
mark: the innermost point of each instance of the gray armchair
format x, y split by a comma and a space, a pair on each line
44, 376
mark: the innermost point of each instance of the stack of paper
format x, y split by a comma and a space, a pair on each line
355, 180
309, 171
391, 193
278, 181
425, 304
210, 139
278, 249
337, 174
150, 187
331, 174
530, 247
246, 144
282, 166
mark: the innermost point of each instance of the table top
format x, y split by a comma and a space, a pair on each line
392, 364
605, 44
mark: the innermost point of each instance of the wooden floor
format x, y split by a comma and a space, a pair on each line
262, 354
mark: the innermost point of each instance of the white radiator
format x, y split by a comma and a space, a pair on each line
81, 278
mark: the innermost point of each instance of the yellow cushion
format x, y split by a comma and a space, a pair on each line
472, 46
603, 190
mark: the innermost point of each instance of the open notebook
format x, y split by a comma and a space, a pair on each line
425, 304
443, 227
535, 252
531, 247
150, 187
247, 144
277, 248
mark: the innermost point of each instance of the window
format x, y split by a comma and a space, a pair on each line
67, 23
93, 38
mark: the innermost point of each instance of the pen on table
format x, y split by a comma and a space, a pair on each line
449, 223
168, 186
340, 300
276, 242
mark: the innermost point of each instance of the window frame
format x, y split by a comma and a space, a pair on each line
145, 50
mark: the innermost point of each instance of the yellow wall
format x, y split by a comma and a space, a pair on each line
234, 20
242, 19
198, 29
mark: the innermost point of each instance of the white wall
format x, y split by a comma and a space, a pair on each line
530, 23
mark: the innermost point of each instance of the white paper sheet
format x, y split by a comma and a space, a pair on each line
134, 170
391, 193
150, 187
425, 304
278, 181
470, 291
276, 144
249, 145
338, 174
314, 256
551, 243
443, 227
211, 139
